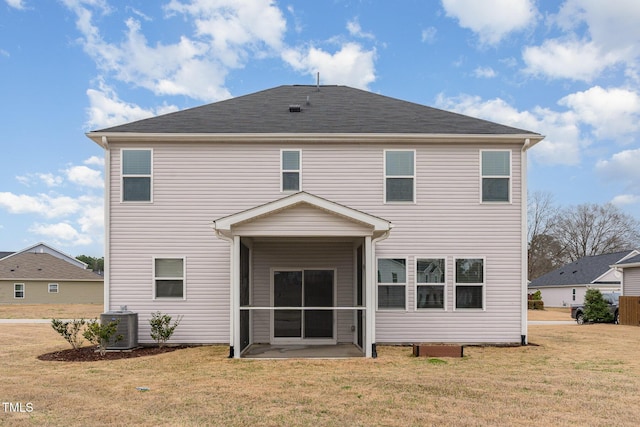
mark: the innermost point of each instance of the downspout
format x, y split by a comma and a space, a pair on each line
107, 223
231, 302
372, 298
524, 260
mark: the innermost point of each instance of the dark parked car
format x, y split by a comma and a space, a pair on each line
577, 311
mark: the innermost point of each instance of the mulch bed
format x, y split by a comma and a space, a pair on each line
89, 354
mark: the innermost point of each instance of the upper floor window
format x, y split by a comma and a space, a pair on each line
136, 175
392, 281
496, 175
399, 175
169, 280
291, 170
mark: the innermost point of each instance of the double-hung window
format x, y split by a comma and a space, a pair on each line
53, 288
469, 282
18, 290
169, 278
430, 282
399, 175
291, 170
496, 175
136, 175
392, 283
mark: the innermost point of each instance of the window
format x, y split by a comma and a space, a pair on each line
496, 176
469, 282
53, 288
392, 280
136, 175
430, 282
18, 290
291, 170
573, 294
399, 176
169, 278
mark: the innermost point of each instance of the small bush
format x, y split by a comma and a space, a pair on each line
537, 296
70, 330
535, 304
101, 335
161, 328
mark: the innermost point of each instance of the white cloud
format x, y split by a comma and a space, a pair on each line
625, 199
17, 4
572, 59
597, 35
351, 65
50, 179
355, 30
107, 109
85, 176
492, 20
61, 233
42, 204
484, 72
613, 113
95, 161
622, 166
429, 35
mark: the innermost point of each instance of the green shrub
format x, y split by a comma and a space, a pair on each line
70, 330
537, 296
535, 304
161, 327
101, 335
596, 308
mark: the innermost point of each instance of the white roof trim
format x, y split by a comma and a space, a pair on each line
64, 256
225, 224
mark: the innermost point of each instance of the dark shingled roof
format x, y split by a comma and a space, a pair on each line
5, 254
323, 109
632, 260
43, 266
580, 272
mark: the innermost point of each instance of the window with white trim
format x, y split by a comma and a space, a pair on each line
496, 175
53, 288
430, 282
136, 175
291, 170
469, 282
18, 290
169, 278
399, 175
392, 283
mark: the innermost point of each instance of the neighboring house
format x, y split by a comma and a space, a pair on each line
41, 274
318, 215
568, 284
630, 275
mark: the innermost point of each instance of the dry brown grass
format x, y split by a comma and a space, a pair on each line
574, 375
49, 311
550, 313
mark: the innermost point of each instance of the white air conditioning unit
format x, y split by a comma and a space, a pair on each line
127, 327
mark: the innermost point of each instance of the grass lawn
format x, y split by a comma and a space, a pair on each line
48, 311
573, 375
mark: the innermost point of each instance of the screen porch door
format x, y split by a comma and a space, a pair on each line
301, 296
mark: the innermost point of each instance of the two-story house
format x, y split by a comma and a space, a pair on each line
318, 215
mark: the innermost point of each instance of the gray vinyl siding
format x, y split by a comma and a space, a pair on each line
37, 292
195, 183
632, 281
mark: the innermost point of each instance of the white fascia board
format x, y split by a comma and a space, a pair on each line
224, 224
623, 266
392, 138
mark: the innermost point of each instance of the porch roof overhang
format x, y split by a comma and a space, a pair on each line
364, 224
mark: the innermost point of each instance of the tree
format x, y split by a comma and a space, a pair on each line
596, 308
544, 252
592, 229
95, 264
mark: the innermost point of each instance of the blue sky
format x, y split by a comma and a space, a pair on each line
567, 69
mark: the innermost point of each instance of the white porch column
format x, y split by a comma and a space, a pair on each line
370, 312
235, 296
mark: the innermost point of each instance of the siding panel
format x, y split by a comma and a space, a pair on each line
195, 183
